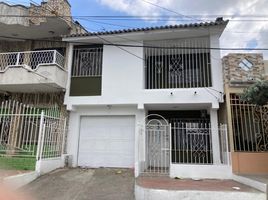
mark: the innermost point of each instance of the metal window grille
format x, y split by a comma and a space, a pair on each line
186, 66
249, 125
32, 59
191, 142
87, 61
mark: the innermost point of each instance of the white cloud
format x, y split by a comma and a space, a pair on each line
237, 34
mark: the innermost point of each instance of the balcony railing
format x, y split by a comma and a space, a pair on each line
31, 59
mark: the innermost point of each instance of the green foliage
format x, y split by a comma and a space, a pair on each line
256, 94
17, 163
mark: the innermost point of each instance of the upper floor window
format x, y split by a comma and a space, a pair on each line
86, 77
87, 61
245, 64
183, 63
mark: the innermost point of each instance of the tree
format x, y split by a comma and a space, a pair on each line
257, 93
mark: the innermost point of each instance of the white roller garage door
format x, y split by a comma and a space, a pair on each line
107, 141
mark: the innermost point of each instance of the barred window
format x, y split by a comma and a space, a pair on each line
181, 63
87, 61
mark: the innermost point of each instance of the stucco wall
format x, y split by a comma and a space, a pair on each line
123, 82
6, 9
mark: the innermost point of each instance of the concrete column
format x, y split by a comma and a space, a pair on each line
229, 118
73, 138
215, 136
69, 63
216, 64
139, 141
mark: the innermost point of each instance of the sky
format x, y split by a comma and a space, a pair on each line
241, 32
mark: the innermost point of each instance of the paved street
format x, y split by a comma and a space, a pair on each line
84, 184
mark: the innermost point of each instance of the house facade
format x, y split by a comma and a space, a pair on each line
32, 55
33, 77
247, 123
148, 99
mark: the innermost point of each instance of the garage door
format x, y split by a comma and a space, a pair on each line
107, 141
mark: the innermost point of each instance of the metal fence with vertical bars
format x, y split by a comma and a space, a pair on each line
191, 142
180, 142
24, 128
249, 125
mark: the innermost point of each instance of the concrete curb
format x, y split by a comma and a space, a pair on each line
20, 180
157, 194
252, 183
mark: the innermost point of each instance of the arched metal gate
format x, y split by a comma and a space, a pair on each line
157, 145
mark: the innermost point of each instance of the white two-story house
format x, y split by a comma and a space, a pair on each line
148, 99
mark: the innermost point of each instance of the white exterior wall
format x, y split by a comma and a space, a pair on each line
74, 126
47, 165
201, 171
216, 64
124, 90
123, 84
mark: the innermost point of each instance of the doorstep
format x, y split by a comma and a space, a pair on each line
154, 188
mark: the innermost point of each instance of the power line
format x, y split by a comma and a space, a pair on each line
169, 10
98, 22
212, 93
140, 18
144, 16
121, 48
143, 46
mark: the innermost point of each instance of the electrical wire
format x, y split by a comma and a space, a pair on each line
169, 10
142, 46
211, 93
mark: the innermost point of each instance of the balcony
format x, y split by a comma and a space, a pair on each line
32, 71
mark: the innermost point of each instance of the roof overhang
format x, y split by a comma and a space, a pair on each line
53, 27
171, 32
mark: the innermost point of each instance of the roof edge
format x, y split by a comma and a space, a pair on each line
218, 22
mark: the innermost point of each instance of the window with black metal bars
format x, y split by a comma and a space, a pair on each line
87, 61
183, 63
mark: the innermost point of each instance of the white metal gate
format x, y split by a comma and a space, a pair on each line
157, 145
29, 132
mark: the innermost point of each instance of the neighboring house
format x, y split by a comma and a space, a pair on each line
150, 103
247, 124
33, 74
32, 56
